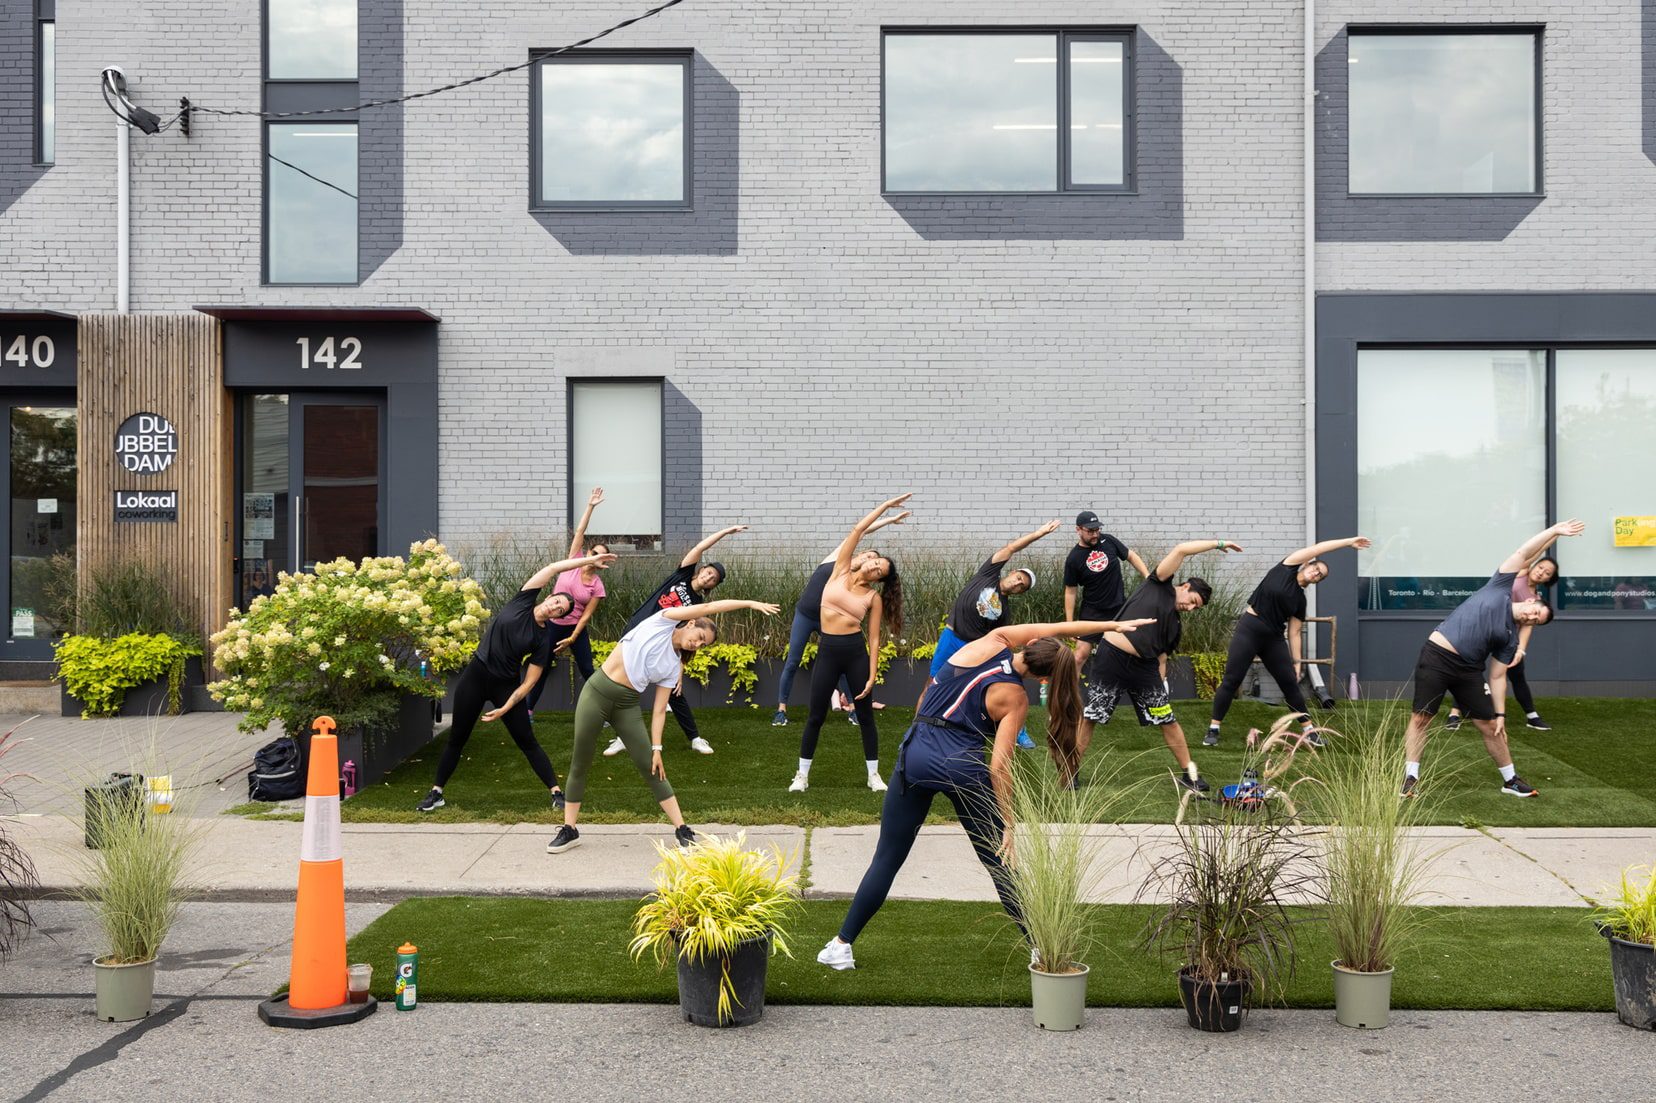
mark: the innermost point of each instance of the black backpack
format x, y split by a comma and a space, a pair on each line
276, 774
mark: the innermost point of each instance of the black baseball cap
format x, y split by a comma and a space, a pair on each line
1087, 519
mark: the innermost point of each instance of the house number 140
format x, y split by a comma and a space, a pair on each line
327, 354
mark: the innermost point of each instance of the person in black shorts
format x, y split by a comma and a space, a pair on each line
1092, 570
1131, 666
1466, 657
689, 585
517, 633
1270, 629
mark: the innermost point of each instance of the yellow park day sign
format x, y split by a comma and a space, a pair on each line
1635, 532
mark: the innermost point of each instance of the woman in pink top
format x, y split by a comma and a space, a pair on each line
1528, 586
585, 588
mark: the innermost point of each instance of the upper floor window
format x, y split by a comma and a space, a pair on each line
611, 130
1444, 113
311, 203
45, 81
311, 40
1007, 111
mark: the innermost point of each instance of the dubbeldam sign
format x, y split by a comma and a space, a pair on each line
146, 505
145, 445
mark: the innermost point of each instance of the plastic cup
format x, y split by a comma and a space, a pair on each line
358, 979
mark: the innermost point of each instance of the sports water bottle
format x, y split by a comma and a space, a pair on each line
408, 968
348, 778
1043, 692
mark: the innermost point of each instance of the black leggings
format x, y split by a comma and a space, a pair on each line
1254, 637
475, 689
580, 652
904, 812
839, 657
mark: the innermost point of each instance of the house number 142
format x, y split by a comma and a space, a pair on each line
327, 354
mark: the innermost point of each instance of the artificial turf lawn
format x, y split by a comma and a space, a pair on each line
938, 953
1593, 770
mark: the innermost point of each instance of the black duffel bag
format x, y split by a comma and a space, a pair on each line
276, 773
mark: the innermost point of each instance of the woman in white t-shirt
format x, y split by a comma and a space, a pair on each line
652, 654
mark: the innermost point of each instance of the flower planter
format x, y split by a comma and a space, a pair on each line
123, 993
148, 699
378, 752
1215, 1007
698, 983
1362, 1000
1633, 971
1059, 1000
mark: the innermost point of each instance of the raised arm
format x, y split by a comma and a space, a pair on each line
693, 556
577, 542
547, 573
714, 608
1169, 566
894, 519
1020, 635
876, 615
1306, 555
1023, 542
1536, 544
848, 546
531, 675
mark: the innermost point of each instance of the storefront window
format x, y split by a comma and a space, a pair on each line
1451, 469
615, 436
265, 504
42, 516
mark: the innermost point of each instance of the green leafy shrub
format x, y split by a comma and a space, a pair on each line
348, 640
98, 672
1630, 914
1210, 671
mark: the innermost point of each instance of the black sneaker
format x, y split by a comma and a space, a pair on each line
566, 837
1537, 723
557, 800
1518, 787
684, 835
1454, 721
1211, 739
1195, 785
433, 801
1314, 739
1409, 784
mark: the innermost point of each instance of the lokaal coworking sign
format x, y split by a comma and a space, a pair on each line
145, 444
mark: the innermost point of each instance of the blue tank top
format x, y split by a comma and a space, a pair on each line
958, 694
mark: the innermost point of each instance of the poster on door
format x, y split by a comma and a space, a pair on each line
258, 516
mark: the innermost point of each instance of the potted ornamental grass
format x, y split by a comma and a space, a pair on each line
1372, 860
18, 878
1059, 862
134, 649
1628, 920
720, 910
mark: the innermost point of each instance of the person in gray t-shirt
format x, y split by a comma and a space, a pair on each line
1467, 656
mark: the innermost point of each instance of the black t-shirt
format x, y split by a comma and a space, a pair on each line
810, 599
1279, 598
1097, 571
981, 607
674, 593
513, 635
1154, 599
1483, 625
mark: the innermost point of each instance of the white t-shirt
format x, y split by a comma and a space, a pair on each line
649, 655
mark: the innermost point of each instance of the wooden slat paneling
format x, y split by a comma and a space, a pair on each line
170, 365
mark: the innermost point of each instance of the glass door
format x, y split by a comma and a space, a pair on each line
40, 481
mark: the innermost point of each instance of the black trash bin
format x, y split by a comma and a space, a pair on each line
107, 797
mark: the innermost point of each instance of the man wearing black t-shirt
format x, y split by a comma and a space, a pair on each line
1131, 665
1092, 571
1270, 629
689, 585
1466, 657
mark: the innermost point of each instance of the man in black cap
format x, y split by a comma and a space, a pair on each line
1093, 569
689, 585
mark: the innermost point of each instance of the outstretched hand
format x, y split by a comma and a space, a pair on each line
1361, 542
1229, 547
1572, 527
602, 559
596, 498
1047, 529
765, 607
1134, 625
897, 501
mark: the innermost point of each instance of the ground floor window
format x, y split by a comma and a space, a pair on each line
615, 441
42, 476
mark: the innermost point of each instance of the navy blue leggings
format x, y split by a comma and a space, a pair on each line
798, 637
580, 652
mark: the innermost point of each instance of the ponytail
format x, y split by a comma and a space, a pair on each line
891, 597
1050, 659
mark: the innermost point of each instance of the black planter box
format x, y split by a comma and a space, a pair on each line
149, 699
377, 753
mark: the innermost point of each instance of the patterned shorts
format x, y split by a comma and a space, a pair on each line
1112, 674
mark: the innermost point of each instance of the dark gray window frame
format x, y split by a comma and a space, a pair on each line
289, 94
570, 492
45, 11
1403, 30
682, 57
1065, 35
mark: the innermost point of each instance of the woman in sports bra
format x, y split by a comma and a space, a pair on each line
979, 696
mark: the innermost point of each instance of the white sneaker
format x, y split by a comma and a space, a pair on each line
701, 746
837, 955
801, 782
876, 783
615, 748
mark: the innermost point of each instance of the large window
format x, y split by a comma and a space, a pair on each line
1451, 113
311, 40
1453, 471
615, 441
45, 120
1007, 111
311, 203
611, 130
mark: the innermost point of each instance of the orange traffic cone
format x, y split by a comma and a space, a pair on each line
316, 984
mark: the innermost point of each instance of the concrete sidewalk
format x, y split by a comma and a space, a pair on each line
251, 860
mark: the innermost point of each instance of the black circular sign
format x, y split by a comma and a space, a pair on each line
146, 444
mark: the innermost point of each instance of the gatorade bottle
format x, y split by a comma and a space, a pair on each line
1043, 692
408, 968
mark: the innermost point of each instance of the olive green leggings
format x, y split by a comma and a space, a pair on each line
603, 699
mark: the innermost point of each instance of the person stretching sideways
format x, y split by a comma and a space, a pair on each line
689, 585
977, 696
1093, 570
1526, 587
848, 599
986, 604
1466, 657
807, 620
651, 654
585, 589
1133, 666
1270, 628
496, 672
